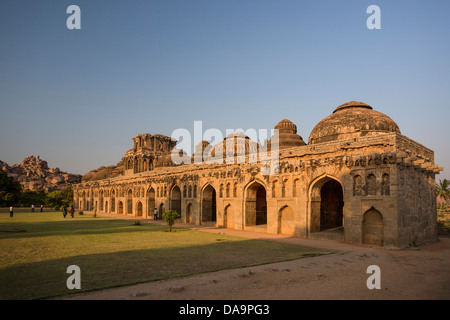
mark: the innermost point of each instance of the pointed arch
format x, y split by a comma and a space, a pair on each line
151, 201
189, 212
139, 209
175, 199
208, 201
373, 227
255, 203
286, 220
228, 221
326, 203
130, 201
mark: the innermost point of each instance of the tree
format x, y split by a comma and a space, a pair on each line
59, 198
170, 217
443, 191
9, 190
28, 197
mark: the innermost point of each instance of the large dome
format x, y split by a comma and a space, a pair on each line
350, 120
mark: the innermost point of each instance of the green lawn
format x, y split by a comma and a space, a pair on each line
36, 249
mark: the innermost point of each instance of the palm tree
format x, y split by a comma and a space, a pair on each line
443, 191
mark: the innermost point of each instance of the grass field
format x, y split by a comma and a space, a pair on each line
36, 249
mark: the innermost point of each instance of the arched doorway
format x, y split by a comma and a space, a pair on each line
175, 203
228, 221
113, 201
130, 202
139, 209
101, 201
151, 202
120, 209
286, 221
326, 205
161, 210
209, 204
189, 213
372, 227
256, 205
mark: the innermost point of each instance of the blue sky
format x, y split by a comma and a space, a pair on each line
77, 97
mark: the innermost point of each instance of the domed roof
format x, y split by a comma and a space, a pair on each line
287, 126
235, 144
350, 120
287, 135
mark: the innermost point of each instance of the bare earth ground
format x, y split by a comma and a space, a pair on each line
421, 273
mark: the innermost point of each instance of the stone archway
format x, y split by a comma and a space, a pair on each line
372, 227
161, 210
228, 221
326, 205
130, 202
151, 202
209, 211
139, 209
189, 213
113, 201
175, 202
286, 220
255, 205
100, 209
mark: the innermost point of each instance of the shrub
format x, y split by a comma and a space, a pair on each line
80, 213
170, 217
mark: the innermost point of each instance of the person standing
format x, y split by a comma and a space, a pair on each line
155, 214
65, 211
11, 211
72, 211
42, 207
32, 208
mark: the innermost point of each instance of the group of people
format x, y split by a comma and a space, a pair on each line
32, 208
11, 210
65, 210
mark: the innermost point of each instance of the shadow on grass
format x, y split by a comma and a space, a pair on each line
46, 279
73, 226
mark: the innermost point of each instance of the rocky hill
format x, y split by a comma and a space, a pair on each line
34, 174
104, 172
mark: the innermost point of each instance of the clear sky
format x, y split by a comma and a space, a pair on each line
77, 97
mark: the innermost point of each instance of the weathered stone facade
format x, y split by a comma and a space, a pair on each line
358, 179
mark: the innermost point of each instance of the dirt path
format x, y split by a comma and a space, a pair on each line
419, 273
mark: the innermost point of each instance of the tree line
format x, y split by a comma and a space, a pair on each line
12, 194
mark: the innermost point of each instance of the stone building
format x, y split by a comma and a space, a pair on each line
358, 180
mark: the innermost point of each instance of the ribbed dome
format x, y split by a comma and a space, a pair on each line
350, 120
287, 135
286, 126
235, 144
